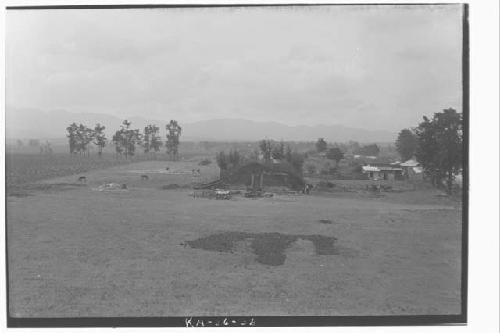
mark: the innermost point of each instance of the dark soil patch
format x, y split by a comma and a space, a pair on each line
322, 244
269, 247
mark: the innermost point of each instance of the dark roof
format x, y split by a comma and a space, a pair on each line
280, 169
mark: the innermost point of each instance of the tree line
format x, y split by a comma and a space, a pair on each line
339, 149
268, 150
45, 148
125, 139
335, 153
437, 144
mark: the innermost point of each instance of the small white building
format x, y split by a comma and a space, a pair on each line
382, 172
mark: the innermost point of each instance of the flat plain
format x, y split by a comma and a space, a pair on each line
76, 250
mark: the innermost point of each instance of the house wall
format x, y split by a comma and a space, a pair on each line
409, 174
374, 175
384, 175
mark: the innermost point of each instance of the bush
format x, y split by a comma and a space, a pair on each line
311, 169
324, 171
206, 161
333, 171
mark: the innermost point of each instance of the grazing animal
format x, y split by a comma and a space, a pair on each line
144, 177
167, 168
124, 186
82, 179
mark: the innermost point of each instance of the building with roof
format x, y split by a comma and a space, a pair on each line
412, 170
258, 175
382, 171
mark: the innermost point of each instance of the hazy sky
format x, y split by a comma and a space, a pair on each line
370, 67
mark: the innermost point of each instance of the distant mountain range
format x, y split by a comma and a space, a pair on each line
33, 123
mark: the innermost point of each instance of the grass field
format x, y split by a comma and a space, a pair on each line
26, 168
143, 251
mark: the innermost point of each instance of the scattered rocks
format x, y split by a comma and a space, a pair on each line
111, 187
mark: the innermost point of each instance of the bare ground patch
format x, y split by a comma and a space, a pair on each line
269, 247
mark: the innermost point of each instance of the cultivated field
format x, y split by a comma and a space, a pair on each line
78, 250
26, 168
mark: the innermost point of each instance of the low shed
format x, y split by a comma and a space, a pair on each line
383, 172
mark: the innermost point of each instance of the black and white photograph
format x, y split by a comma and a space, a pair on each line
231, 165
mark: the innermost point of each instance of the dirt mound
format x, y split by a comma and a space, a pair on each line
205, 162
269, 247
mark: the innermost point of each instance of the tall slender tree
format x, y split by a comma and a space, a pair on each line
155, 143
118, 142
72, 129
100, 139
278, 151
321, 145
173, 134
151, 141
266, 148
146, 141
222, 162
235, 159
126, 139
80, 137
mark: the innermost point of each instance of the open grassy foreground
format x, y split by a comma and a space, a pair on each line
143, 251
